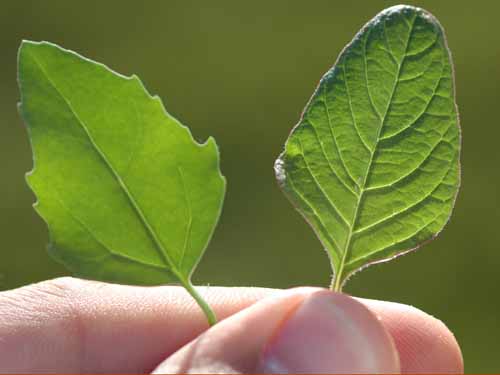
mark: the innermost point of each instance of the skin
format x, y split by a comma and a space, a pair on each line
73, 326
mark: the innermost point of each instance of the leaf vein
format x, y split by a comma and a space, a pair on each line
190, 218
354, 123
419, 116
328, 160
107, 249
394, 214
420, 229
162, 252
313, 210
336, 210
338, 276
365, 63
330, 126
429, 154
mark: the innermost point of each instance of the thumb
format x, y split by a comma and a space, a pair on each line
301, 331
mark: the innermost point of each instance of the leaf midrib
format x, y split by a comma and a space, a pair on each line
136, 208
338, 277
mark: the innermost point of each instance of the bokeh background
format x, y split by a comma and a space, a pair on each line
242, 72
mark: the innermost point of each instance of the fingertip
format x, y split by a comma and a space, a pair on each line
425, 344
302, 331
330, 333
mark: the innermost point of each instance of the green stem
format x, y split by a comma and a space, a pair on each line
209, 313
336, 284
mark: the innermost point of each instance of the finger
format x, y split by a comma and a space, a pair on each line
71, 325
424, 343
297, 332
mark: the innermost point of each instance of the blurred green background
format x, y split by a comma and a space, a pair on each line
242, 72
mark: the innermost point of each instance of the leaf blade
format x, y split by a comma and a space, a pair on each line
108, 159
388, 104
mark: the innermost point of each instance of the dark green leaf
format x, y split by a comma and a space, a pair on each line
373, 164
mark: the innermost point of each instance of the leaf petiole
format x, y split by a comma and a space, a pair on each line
336, 284
207, 310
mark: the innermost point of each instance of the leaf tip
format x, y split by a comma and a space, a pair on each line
410, 10
31, 45
26, 43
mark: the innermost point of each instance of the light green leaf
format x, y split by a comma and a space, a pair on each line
127, 194
373, 164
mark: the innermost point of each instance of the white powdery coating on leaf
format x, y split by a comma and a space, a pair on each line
279, 170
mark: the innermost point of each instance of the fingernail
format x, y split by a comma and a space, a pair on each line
330, 333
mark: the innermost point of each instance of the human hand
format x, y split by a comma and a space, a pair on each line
74, 326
